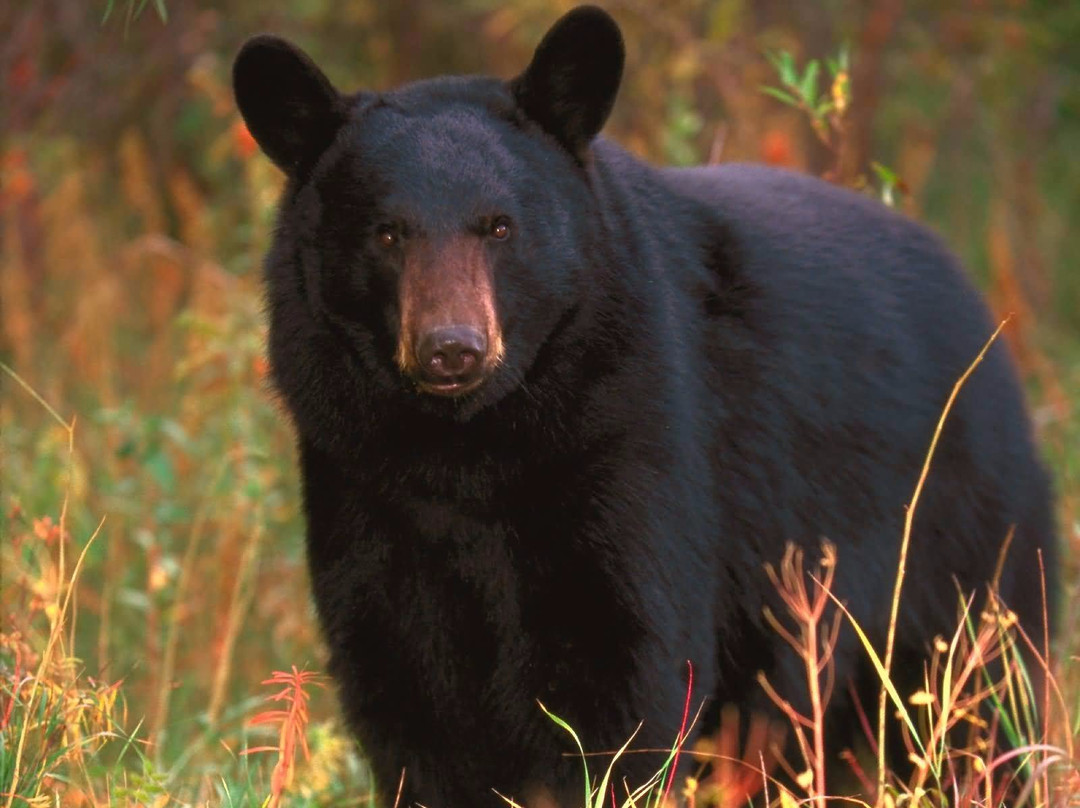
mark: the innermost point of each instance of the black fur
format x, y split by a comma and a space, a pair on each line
569, 87
289, 105
701, 365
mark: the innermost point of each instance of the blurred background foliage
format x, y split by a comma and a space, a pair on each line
135, 209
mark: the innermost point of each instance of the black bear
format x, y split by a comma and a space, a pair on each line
557, 409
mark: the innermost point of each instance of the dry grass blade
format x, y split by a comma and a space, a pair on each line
60, 614
905, 543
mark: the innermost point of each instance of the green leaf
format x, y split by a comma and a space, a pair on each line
784, 65
889, 181
601, 792
788, 73
581, 749
808, 83
883, 674
163, 12
885, 174
777, 93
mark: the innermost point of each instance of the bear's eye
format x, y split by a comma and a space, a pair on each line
500, 229
387, 237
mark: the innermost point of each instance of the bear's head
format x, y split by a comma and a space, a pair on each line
439, 234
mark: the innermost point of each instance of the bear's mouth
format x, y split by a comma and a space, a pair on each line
449, 389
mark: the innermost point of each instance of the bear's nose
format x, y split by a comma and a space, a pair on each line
452, 355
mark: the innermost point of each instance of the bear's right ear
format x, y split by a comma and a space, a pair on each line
288, 104
569, 87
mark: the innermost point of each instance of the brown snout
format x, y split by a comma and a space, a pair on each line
450, 337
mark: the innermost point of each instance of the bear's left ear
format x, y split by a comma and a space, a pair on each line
289, 105
569, 87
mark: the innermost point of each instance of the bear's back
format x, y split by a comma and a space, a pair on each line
862, 323
849, 295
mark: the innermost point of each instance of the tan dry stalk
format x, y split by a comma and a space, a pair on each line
815, 647
46, 657
239, 603
56, 623
905, 543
